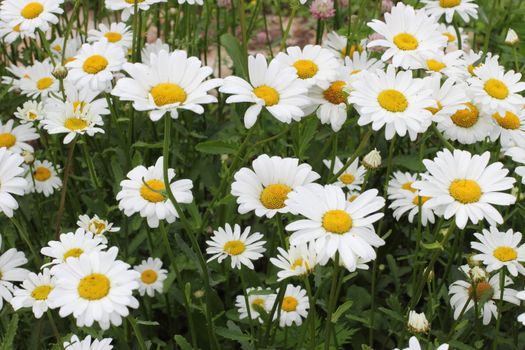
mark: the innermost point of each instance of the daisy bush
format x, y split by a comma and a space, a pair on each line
262, 174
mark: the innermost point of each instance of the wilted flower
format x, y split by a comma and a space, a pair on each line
322, 9
372, 160
417, 322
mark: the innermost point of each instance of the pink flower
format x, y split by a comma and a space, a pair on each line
322, 9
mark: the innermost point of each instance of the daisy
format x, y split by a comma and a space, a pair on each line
72, 245
72, 46
143, 192
117, 33
294, 306
465, 186
85, 344
30, 111
94, 65
464, 8
15, 138
473, 60
413, 344
409, 36
31, 14
449, 64
38, 80
462, 292
335, 224
313, 64
155, 47
152, 276
10, 271
360, 61
128, 6
410, 202
400, 185
97, 226
396, 101
11, 181
152, 89
266, 188
509, 128
9, 34
34, 292
500, 250
449, 97
82, 98
258, 302
18, 73
452, 41
95, 288
338, 45
299, 260
66, 117
353, 176
43, 178
495, 89
273, 86
242, 248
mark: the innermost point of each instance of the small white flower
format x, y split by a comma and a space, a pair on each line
294, 306
152, 276
257, 300
10, 271
15, 138
34, 292
353, 176
30, 111
299, 260
85, 344
42, 177
97, 226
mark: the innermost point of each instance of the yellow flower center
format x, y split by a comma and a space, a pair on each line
300, 263
505, 254
273, 196
449, 3
259, 302
482, 288
509, 121
168, 93
79, 105
306, 68
420, 200
134, 1
406, 42
75, 124
392, 100
95, 64
113, 37
69, 59
44, 83
435, 65
335, 94
353, 198
352, 49
337, 221
73, 252
234, 247
32, 115
471, 68
467, 117
450, 38
150, 191
289, 304
93, 287
7, 140
57, 48
347, 179
17, 28
434, 110
408, 186
496, 88
32, 10
465, 191
99, 226
268, 94
148, 276
41, 173
41, 292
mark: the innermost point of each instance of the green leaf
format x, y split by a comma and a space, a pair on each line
141, 144
9, 337
217, 147
148, 323
234, 49
182, 342
410, 162
431, 246
232, 334
341, 310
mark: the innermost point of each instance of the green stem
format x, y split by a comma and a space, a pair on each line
332, 302
311, 315
138, 333
500, 307
441, 138
67, 172
288, 27
54, 328
248, 307
25, 237
357, 153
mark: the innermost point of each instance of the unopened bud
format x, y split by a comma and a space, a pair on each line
60, 72
477, 274
198, 294
417, 322
29, 157
372, 160
512, 37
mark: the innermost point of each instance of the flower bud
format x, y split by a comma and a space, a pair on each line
29, 157
372, 160
417, 322
512, 37
478, 274
60, 72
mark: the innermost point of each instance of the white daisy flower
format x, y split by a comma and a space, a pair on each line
410, 203
409, 36
360, 61
95, 288
509, 128
30, 111
500, 250
449, 64
97, 226
152, 276
258, 302
67, 117
11, 180
9, 34
82, 98
72, 46
34, 292
462, 291
242, 248
495, 89
413, 344
294, 306
10, 271
44, 178
155, 47
266, 188
72, 245
338, 45
464, 8
15, 138
152, 89
449, 97
299, 260
474, 60
18, 73
128, 6
31, 14
38, 81
313, 64
400, 185
452, 40
86, 344
396, 101
273, 86
465, 186
94, 65
118, 33
335, 224
353, 176
143, 192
